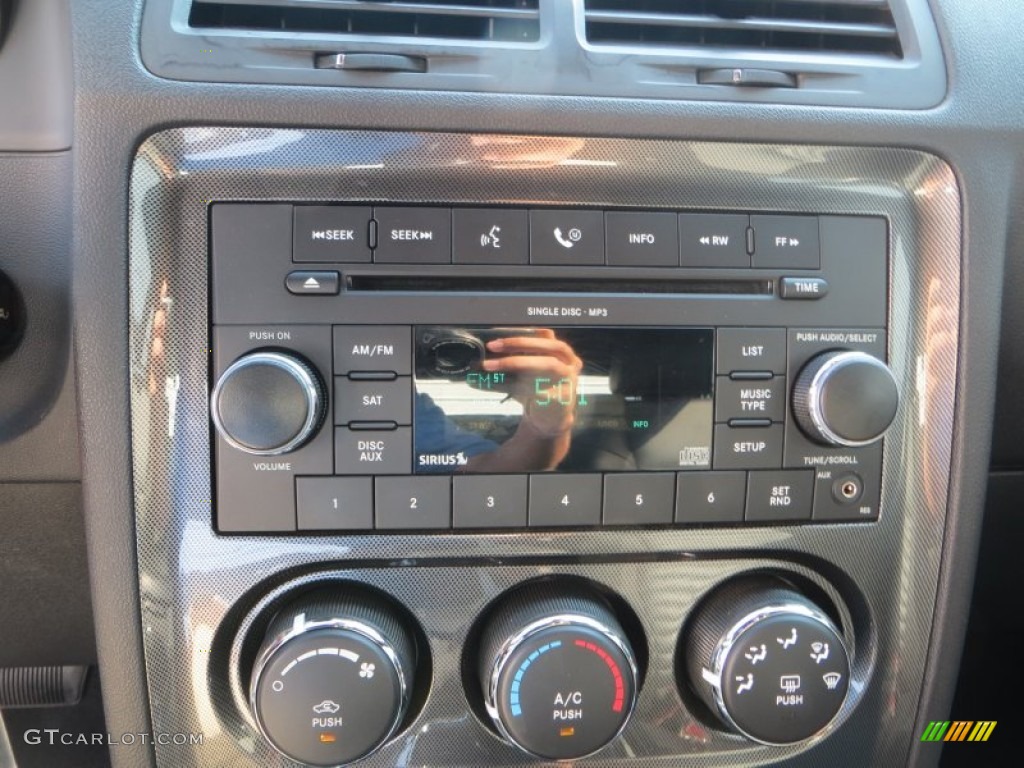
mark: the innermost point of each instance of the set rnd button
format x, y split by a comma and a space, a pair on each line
773, 496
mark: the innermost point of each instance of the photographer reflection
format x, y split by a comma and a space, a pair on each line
539, 372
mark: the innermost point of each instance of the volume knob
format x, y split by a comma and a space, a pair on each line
268, 403
845, 398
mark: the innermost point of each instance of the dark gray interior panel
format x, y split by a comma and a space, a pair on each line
44, 576
37, 401
278, 45
977, 130
36, 101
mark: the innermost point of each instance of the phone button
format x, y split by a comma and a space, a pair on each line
566, 236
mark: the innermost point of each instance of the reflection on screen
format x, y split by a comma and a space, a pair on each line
565, 399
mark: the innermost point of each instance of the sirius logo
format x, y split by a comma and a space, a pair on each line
444, 459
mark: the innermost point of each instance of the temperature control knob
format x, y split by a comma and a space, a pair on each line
767, 661
268, 403
845, 398
331, 682
558, 674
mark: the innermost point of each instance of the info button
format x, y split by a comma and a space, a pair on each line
641, 239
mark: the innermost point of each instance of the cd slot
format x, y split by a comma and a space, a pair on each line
686, 286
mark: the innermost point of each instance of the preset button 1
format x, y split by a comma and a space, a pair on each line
334, 503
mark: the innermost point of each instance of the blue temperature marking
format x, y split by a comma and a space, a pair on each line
517, 680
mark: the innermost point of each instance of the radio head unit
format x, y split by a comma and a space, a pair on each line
667, 368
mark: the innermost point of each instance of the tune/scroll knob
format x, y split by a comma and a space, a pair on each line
558, 674
268, 403
333, 677
845, 398
766, 660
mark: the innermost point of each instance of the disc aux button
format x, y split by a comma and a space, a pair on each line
373, 451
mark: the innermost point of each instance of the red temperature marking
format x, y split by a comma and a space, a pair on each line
620, 692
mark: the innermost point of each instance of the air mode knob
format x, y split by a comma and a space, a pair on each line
845, 398
332, 679
766, 660
558, 674
268, 403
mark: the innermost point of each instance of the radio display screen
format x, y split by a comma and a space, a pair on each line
538, 399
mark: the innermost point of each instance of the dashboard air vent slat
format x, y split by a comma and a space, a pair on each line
828, 26
490, 20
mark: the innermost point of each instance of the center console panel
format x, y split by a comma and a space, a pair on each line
571, 451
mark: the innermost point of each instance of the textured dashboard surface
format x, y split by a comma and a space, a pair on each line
191, 579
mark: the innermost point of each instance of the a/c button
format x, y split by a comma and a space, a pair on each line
748, 448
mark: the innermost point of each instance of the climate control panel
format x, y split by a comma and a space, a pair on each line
553, 667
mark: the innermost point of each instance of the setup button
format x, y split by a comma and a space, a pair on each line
748, 447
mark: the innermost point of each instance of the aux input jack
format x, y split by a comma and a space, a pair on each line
848, 488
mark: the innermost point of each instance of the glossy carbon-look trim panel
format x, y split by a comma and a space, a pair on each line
192, 580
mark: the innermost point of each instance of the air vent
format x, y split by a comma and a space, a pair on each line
490, 20
829, 26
